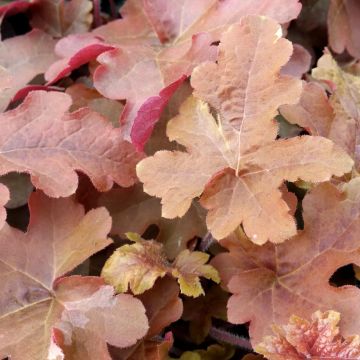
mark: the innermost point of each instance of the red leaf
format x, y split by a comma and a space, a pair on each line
75, 50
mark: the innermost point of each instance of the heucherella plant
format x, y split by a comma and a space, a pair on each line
179, 179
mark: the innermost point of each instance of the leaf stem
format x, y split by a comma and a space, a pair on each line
229, 338
97, 12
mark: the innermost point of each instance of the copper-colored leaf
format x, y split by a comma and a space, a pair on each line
37, 53
272, 282
139, 265
59, 237
344, 34
299, 62
241, 182
163, 307
82, 140
4, 198
61, 17
132, 210
188, 38
345, 100
83, 96
313, 111
201, 310
319, 339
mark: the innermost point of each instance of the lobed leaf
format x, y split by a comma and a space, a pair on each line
82, 140
318, 339
34, 299
187, 36
272, 282
37, 53
241, 182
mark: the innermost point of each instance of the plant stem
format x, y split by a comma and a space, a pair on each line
232, 339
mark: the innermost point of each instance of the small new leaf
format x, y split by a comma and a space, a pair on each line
139, 265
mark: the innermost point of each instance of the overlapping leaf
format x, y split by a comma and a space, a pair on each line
163, 307
61, 17
74, 51
133, 210
343, 18
33, 297
318, 339
187, 37
345, 100
137, 266
40, 137
272, 282
83, 96
21, 59
241, 182
201, 310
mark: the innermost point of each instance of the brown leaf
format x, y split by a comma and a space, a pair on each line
299, 62
246, 163
132, 210
60, 17
82, 140
163, 307
83, 96
343, 18
318, 339
272, 282
4, 198
345, 100
201, 310
59, 237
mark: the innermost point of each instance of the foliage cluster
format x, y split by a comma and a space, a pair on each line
180, 179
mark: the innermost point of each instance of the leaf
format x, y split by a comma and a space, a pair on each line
313, 111
345, 101
272, 282
14, 8
61, 17
132, 210
201, 310
213, 352
318, 339
74, 51
37, 53
20, 188
82, 141
4, 198
137, 266
187, 37
163, 307
83, 96
246, 163
343, 17
101, 318
33, 298
188, 267
299, 62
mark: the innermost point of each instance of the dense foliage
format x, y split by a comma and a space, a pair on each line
179, 179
